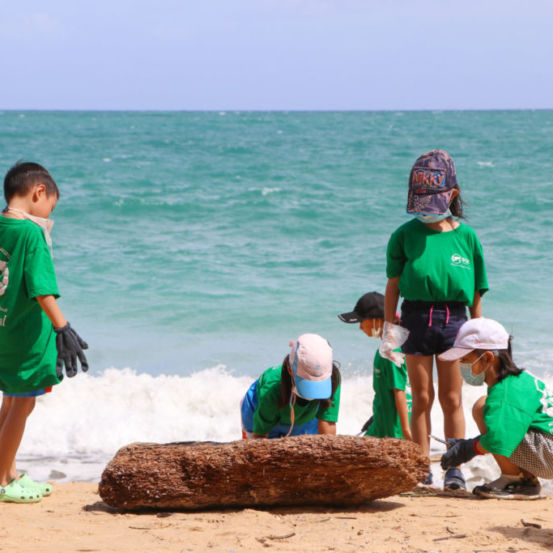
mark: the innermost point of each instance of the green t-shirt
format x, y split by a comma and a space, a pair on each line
268, 414
436, 266
514, 405
27, 339
387, 378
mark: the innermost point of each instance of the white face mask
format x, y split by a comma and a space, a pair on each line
45, 224
468, 377
433, 218
374, 331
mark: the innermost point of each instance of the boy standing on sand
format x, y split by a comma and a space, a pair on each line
391, 404
36, 340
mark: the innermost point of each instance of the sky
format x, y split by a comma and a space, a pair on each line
276, 54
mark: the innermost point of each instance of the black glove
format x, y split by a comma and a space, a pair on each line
366, 425
458, 452
70, 346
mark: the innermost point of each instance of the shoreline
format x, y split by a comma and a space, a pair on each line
425, 520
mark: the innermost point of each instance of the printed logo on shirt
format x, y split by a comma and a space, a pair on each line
4, 271
546, 399
457, 260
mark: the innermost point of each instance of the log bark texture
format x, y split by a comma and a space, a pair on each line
301, 470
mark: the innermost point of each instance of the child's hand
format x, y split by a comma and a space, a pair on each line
458, 452
70, 347
393, 336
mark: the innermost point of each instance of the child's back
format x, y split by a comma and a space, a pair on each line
387, 378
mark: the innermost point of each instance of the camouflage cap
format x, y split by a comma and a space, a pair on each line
431, 182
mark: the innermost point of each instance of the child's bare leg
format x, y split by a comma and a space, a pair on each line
6, 405
12, 426
450, 384
505, 465
419, 368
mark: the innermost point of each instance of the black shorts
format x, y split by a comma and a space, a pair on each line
432, 326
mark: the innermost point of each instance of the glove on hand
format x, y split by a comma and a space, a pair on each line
393, 336
70, 346
458, 452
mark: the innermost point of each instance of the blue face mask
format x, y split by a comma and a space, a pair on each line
433, 218
468, 377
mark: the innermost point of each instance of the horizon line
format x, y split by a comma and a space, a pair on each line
256, 110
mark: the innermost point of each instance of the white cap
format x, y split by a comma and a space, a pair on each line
480, 333
311, 363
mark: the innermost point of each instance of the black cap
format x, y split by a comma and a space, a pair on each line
369, 306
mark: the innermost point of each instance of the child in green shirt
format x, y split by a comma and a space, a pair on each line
515, 418
36, 341
391, 403
436, 264
301, 396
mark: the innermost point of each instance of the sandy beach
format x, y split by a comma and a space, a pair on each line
74, 519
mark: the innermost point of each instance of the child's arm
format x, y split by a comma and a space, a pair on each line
401, 407
326, 427
479, 448
393, 335
68, 343
475, 309
53, 312
391, 298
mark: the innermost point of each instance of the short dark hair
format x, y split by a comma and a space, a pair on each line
286, 384
21, 178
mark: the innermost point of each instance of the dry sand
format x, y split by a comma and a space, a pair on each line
74, 519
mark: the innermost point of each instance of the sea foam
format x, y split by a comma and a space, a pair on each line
76, 429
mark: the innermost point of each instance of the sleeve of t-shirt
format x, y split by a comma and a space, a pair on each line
266, 416
39, 274
395, 255
330, 414
398, 377
506, 426
480, 276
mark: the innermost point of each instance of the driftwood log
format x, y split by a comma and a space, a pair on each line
302, 470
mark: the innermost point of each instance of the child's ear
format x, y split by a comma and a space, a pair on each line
39, 190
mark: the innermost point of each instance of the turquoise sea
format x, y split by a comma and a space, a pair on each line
191, 247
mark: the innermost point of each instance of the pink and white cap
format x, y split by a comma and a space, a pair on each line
479, 333
311, 363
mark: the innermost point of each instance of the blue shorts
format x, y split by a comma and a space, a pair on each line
34, 393
432, 326
248, 407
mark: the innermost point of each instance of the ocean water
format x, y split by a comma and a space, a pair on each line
191, 247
